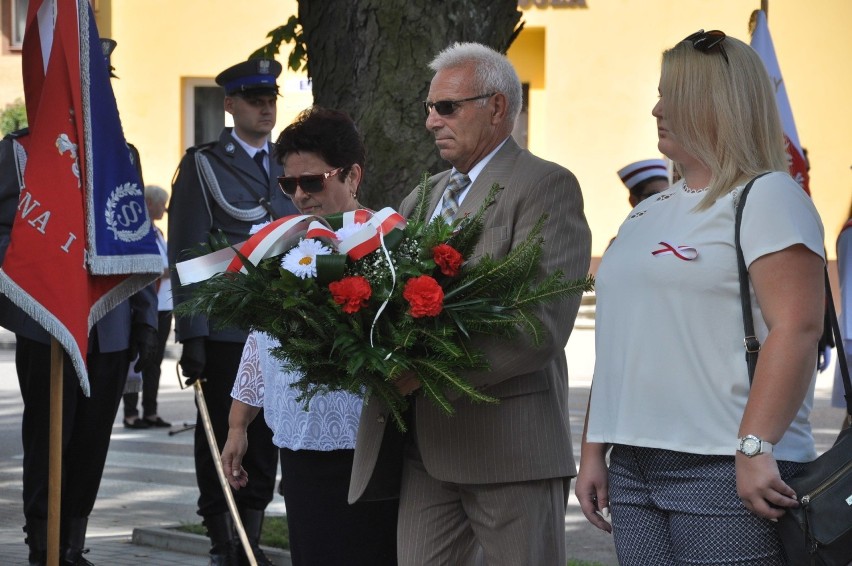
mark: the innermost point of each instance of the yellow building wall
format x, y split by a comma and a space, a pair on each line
593, 76
593, 115
163, 43
11, 83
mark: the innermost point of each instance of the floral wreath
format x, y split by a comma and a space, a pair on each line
363, 298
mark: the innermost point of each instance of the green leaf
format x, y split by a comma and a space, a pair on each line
291, 32
330, 268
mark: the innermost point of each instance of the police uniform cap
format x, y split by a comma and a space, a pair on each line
254, 75
633, 174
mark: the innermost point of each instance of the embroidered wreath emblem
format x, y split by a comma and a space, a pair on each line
128, 214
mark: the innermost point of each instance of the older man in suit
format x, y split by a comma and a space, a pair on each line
491, 481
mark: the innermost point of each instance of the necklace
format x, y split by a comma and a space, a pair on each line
689, 189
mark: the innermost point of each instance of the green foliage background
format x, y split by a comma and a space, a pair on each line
13, 117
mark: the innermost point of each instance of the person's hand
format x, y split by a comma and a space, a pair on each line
592, 486
193, 357
232, 458
823, 358
143, 343
760, 487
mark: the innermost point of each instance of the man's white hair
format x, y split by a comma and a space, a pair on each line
492, 72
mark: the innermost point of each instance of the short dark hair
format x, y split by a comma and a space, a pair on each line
638, 189
331, 134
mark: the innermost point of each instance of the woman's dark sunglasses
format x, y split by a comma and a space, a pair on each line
708, 41
310, 183
447, 107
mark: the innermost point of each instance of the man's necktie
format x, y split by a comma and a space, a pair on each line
450, 200
258, 158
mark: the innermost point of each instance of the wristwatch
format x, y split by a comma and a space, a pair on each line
751, 446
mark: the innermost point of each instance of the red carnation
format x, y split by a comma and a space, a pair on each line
352, 293
448, 259
424, 295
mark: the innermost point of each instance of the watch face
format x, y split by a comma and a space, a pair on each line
750, 446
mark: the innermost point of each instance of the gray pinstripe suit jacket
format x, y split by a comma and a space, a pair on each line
526, 436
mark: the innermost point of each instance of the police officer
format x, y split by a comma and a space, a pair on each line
225, 187
644, 179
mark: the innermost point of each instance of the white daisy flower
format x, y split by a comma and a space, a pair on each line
256, 228
347, 231
301, 260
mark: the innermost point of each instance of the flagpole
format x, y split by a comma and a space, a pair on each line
54, 483
752, 21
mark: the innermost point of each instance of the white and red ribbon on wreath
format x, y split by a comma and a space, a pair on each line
275, 238
369, 238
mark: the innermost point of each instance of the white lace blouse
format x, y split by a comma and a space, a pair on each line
329, 423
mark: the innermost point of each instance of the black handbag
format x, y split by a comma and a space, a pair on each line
819, 531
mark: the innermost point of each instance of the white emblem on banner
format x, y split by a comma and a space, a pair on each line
63, 144
125, 216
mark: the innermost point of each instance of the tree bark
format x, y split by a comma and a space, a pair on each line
370, 58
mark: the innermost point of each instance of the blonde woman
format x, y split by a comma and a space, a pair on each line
699, 457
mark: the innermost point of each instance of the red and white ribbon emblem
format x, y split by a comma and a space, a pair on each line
273, 239
686, 253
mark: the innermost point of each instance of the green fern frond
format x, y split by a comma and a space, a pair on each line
468, 231
439, 374
421, 206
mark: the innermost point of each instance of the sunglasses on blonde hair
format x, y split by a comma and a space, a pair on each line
708, 42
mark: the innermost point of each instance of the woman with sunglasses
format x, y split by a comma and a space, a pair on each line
323, 158
699, 457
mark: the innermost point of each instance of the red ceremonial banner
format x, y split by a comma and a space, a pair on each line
70, 157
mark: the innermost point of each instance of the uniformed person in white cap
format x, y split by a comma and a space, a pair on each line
227, 186
644, 179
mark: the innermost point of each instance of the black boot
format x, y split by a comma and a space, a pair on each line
223, 540
253, 523
36, 539
72, 551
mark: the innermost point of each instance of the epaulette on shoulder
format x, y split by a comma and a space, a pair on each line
17, 134
201, 147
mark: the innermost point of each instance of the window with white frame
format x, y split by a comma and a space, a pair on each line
203, 111
19, 22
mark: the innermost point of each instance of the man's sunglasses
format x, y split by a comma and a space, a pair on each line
310, 183
709, 41
447, 107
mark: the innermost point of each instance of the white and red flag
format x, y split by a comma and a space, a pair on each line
761, 41
82, 240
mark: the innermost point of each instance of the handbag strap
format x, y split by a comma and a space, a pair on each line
751, 343
839, 346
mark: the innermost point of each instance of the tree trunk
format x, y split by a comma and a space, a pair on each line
370, 58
